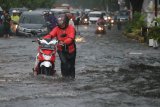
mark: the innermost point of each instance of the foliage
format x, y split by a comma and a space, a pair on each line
111, 5
154, 33
137, 22
157, 20
154, 30
31, 4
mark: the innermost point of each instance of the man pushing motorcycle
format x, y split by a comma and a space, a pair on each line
66, 48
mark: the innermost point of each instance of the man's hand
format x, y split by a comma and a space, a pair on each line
61, 43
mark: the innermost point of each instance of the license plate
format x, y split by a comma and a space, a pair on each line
50, 47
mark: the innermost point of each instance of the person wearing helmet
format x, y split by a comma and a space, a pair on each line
15, 17
53, 20
71, 19
49, 16
101, 20
65, 34
14, 21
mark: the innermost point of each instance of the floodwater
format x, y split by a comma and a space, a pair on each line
111, 71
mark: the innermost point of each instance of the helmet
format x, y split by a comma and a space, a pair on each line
14, 11
101, 16
63, 21
50, 12
69, 15
46, 13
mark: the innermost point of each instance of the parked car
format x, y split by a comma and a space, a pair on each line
32, 23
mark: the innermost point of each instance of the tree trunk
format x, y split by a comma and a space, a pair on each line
136, 5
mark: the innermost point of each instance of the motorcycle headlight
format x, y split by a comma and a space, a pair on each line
105, 18
112, 21
99, 28
109, 18
85, 19
46, 57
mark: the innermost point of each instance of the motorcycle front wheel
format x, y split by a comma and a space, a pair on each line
46, 71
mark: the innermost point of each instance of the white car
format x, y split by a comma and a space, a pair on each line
59, 11
95, 15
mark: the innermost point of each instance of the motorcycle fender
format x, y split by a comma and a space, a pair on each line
46, 64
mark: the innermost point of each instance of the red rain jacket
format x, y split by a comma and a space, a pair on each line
68, 39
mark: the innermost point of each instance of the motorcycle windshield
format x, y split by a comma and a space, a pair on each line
47, 47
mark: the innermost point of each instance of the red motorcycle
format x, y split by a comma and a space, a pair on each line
46, 56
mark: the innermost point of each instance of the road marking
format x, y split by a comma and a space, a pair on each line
135, 53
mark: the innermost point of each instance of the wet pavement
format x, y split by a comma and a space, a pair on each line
111, 71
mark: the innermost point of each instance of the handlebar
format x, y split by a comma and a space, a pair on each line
36, 40
33, 40
61, 44
46, 41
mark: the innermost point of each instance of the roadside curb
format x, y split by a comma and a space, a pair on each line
134, 36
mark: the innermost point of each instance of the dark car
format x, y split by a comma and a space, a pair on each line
123, 16
32, 24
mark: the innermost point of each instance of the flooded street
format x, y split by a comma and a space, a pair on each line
111, 71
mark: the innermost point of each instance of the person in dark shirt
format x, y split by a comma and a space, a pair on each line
6, 23
51, 19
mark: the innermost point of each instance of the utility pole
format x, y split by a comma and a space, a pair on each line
156, 3
105, 5
130, 11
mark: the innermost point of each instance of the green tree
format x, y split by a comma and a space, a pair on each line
32, 4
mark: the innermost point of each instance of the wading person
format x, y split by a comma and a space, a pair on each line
119, 24
6, 24
65, 34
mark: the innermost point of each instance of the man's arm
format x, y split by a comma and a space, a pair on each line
71, 36
51, 34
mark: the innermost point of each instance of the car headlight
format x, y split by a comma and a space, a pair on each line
44, 29
16, 26
46, 57
20, 28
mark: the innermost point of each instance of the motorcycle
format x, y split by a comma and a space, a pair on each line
85, 21
100, 29
46, 56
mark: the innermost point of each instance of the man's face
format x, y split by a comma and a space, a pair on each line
14, 14
61, 22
